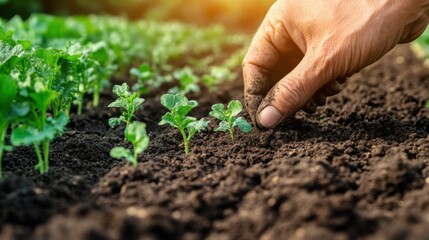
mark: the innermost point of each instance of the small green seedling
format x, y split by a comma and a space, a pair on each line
136, 134
179, 107
228, 118
128, 102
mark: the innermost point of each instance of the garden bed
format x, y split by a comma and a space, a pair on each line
357, 168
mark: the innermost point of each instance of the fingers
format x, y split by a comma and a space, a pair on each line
259, 67
296, 90
330, 89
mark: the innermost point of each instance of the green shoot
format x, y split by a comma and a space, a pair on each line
136, 134
128, 102
179, 107
228, 119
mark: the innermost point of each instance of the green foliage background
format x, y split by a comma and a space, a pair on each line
243, 14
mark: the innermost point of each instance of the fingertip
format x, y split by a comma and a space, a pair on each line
269, 117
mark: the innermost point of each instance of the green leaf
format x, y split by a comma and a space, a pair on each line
121, 152
243, 125
184, 110
113, 122
235, 107
223, 127
118, 103
20, 109
168, 118
121, 91
170, 101
137, 135
43, 99
145, 71
218, 111
59, 123
137, 102
197, 126
8, 90
26, 136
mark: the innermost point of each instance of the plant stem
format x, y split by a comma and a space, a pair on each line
231, 128
185, 140
46, 155
135, 155
231, 132
79, 108
96, 95
39, 165
3, 129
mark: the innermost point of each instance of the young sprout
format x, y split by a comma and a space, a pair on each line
228, 119
179, 107
128, 102
136, 134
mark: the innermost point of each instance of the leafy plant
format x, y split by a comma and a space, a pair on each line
228, 117
136, 134
128, 102
179, 107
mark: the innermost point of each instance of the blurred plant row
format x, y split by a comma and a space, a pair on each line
238, 13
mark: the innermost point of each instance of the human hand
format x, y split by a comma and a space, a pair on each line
305, 49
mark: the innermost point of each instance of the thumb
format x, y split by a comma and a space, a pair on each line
294, 90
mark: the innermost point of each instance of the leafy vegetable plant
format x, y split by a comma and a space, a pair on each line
228, 119
136, 134
179, 107
128, 102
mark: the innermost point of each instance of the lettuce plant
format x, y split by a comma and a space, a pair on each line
228, 118
179, 107
128, 102
136, 134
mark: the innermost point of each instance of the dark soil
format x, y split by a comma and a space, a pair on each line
357, 169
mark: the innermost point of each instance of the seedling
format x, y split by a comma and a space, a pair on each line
136, 134
228, 119
179, 107
128, 102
